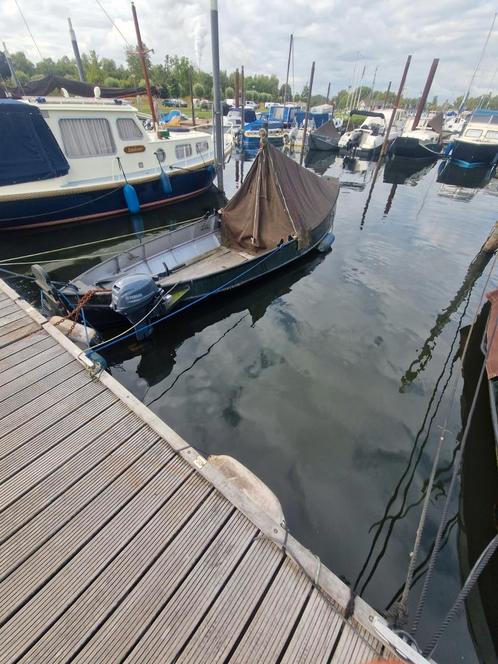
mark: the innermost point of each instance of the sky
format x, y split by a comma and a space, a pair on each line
334, 33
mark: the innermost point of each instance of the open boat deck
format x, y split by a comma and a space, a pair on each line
219, 259
119, 542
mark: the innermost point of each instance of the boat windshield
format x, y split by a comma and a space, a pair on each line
492, 134
473, 133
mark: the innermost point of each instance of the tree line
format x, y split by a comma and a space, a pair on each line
171, 77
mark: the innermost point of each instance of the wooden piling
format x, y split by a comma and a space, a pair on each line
396, 106
312, 75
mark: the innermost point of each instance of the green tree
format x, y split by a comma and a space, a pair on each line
93, 69
229, 93
21, 63
134, 62
198, 90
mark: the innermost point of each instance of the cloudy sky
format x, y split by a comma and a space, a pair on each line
256, 34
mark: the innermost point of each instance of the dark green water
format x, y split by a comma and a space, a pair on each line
328, 381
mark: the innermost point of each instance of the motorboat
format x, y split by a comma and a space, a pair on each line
366, 140
273, 129
281, 212
421, 142
326, 137
74, 159
477, 145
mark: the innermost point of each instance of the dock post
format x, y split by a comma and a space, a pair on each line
218, 124
425, 93
396, 106
312, 75
491, 244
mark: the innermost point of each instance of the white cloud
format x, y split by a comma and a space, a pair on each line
256, 34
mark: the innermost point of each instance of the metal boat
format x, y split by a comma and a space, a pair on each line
281, 212
477, 146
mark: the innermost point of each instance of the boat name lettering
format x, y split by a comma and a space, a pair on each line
129, 149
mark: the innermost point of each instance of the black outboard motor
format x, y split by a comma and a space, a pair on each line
138, 298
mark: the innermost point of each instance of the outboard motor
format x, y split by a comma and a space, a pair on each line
138, 298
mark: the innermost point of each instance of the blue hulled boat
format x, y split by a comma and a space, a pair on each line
72, 159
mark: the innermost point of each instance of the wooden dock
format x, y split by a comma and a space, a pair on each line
119, 542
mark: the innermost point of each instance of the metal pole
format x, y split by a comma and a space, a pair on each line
373, 87
387, 94
218, 129
76, 51
237, 88
425, 93
141, 54
17, 83
396, 106
328, 93
467, 94
191, 86
307, 112
242, 100
288, 69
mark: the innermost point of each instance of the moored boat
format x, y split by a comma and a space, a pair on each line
281, 212
326, 137
421, 142
273, 129
70, 159
477, 145
366, 141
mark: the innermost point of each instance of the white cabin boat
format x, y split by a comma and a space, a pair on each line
366, 141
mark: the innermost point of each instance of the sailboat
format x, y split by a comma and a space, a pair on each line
420, 142
325, 137
281, 212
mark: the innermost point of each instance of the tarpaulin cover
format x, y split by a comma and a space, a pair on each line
318, 118
44, 86
28, 149
436, 123
327, 129
492, 336
278, 198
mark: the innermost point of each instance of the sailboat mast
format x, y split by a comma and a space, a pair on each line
218, 129
328, 93
383, 149
13, 75
141, 54
308, 103
481, 57
288, 69
76, 51
425, 93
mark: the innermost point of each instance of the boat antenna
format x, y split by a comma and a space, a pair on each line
312, 76
28, 29
288, 69
76, 51
425, 93
141, 54
481, 57
218, 128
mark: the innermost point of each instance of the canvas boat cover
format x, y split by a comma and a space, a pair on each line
327, 129
278, 198
28, 149
44, 86
436, 123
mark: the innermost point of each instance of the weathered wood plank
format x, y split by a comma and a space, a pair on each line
316, 633
7, 306
48, 477
60, 418
18, 333
29, 365
5, 319
35, 375
171, 616
214, 637
271, 626
13, 326
24, 344
45, 402
93, 536
184, 524
51, 381
356, 646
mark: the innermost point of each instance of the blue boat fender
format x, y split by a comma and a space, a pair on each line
165, 183
326, 243
98, 360
131, 198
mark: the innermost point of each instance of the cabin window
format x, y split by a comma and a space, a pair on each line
128, 130
86, 137
201, 146
492, 134
183, 151
473, 133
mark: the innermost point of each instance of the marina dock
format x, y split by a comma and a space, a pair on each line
119, 542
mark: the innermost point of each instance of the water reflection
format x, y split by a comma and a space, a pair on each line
319, 161
157, 355
462, 183
400, 170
